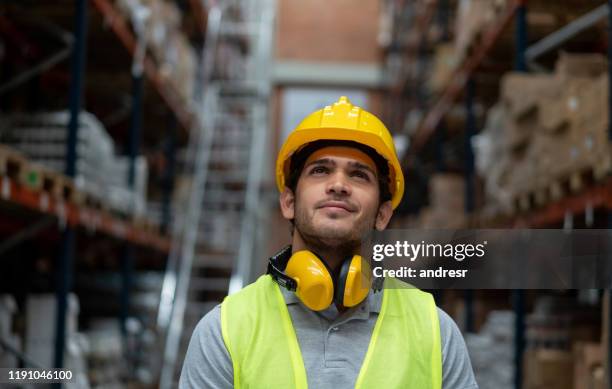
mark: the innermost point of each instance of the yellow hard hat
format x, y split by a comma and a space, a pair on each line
343, 121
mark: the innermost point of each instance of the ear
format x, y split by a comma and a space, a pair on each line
287, 203
385, 211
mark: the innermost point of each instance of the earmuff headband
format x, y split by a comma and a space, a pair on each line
280, 259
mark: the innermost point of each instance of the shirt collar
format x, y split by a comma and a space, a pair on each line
373, 302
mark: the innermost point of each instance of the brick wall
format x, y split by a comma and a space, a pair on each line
328, 30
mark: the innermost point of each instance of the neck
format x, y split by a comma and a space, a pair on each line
332, 256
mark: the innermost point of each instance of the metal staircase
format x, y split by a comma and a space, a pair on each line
215, 234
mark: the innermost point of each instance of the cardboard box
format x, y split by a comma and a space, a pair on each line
555, 126
40, 335
581, 65
521, 92
474, 17
447, 192
436, 218
598, 380
587, 358
548, 369
445, 63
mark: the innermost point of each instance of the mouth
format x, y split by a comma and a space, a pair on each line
337, 205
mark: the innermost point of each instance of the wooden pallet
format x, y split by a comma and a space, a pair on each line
94, 202
37, 177
11, 162
559, 187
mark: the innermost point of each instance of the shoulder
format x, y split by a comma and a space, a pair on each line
210, 322
448, 327
456, 365
451, 337
207, 363
207, 333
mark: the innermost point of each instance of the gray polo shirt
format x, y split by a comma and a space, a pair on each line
333, 347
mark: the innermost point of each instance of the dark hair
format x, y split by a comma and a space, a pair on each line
298, 159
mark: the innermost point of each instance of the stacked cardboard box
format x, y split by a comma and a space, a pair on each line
40, 335
474, 17
445, 63
42, 138
492, 351
563, 345
107, 365
493, 161
446, 199
546, 129
588, 365
548, 368
158, 24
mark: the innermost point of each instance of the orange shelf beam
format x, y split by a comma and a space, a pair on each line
598, 196
91, 219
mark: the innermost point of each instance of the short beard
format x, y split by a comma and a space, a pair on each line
344, 244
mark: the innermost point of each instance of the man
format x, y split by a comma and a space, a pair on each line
313, 320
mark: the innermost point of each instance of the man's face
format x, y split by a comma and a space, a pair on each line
337, 197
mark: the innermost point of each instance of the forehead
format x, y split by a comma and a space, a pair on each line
341, 152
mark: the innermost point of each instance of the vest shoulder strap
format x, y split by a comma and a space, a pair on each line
259, 336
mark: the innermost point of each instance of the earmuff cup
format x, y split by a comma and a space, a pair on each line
357, 281
315, 283
312, 280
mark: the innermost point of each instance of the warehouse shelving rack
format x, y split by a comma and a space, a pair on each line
91, 219
461, 84
71, 215
228, 160
460, 78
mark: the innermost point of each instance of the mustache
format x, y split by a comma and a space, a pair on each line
343, 203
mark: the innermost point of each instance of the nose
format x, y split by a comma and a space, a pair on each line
338, 184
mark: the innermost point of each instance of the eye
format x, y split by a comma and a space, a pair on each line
361, 175
319, 170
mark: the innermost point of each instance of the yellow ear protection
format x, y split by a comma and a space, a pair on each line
304, 273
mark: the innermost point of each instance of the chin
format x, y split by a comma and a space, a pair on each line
334, 230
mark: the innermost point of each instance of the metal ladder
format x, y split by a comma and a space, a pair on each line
215, 235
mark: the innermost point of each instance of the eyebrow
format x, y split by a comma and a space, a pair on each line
353, 164
360, 165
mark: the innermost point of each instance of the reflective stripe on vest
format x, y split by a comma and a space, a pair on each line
404, 350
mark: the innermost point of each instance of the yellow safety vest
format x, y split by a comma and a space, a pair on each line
404, 350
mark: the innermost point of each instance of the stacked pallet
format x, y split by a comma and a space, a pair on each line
444, 64
158, 24
41, 143
547, 135
36, 177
